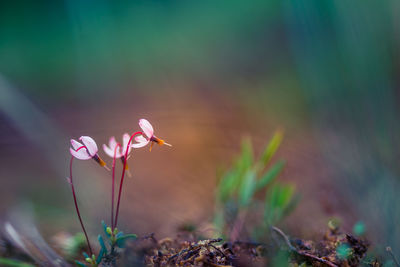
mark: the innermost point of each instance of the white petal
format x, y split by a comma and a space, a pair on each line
146, 127
81, 154
140, 139
112, 142
75, 144
138, 145
125, 140
110, 152
90, 145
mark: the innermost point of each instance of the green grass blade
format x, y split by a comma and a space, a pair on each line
228, 185
270, 175
271, 148
14, 263
247, 188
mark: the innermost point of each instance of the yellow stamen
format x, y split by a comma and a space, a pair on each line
101, 162
162, 142
127, 170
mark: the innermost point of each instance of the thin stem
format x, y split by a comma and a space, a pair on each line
302, 253
76, 205
123, 175
113, 185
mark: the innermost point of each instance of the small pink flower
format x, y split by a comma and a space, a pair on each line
149, 133
112, 143
86, 150
121, 150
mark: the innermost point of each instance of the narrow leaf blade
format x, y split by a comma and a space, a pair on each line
272, 147
120, 242
105, 228
102, 244
247, 188
270, 175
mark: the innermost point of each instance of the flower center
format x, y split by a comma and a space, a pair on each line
157, 140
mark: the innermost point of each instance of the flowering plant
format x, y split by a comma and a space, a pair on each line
87, 149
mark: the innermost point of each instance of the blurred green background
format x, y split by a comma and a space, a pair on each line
205, 74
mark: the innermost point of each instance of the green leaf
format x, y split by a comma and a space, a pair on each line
85, 255
247, 188
291, 205
277, 202
14, 263
270, 175
246, 158
120, 242
270, 200
101, 242
271, 148
285, 195
101, 255
80, 264
232, 180
228, 185
119, 234
103, 249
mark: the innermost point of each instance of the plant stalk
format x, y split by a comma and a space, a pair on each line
76, 205
123, 175
113, 185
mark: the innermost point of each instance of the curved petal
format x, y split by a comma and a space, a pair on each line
81, 154
140, 139
139, 145
146, 127
90, 145
75, 144
125, 140
112, 142
110, 151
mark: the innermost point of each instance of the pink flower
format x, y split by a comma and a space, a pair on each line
149, 136
86, 150
121, 150
112, 143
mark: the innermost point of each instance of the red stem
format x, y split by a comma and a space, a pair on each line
76, 204
113, 184
123, 175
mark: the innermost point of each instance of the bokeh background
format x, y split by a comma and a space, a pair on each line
206, 74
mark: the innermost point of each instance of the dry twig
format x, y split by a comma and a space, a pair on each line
301, 253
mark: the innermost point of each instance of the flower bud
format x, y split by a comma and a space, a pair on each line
109, 231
